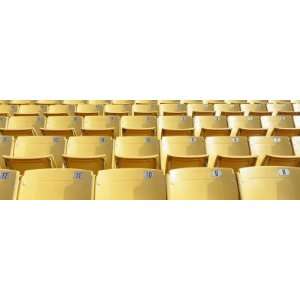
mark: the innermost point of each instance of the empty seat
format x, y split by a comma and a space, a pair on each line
137, 152
60, 110
146, 102
3, 121
117, 110
20, 102
191, 101
168, 101
246, 126
7, 110
279, 125
255, 109
30, 110
202, 184
174, 109
101, 102
57, 184
9, 183
48, 102
74, 102
211, 126
175, 125
269, 183
6, 148
63, 126
229, 152
145, 109
280, 107
226, 109
89, 110
182, 152
279, 101
200, 110
229, 101
273, 151
211, 101
101, 126
123, 102
92, 153
23, 125
130, 184
35, 152
254, 101
138, 125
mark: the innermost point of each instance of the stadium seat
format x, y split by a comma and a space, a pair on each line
48, 102
191, 101
273, 151
6, 148
9, 183
89, 110
130, 184
279, 125
168, 101
174, 109
225, 109
137, 152
200, 110
30, 110
60, 110
182, 152
269, 183
20, 102
202, 184
74, 102
210, 101
57, 184
279, 101
63, 126
99, 102
280, 107
257, 101
92, 153
23, 125
255, 109
145, 110
145, 102
246, 126
117, 110
7, 110
236, 101
123, 102
3, 121
101, 126
229, 152
175, 125
35, 152
211, 126
138, 126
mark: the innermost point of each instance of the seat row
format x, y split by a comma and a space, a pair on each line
150, 126
132, 184
96, 153
192, 109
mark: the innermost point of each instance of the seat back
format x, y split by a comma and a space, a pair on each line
211, 122
6, 147
130, 184
225, 107
202, 184
64, 122
60, 184
277, 122
9, 183
275, 107
101, 125
89, 109
244, 122
117, 109
30, 109
257, 107
3, 122
7, 110
175, 125
269, 183
145, 109
197, 109
61, 109
172, 109
26, 122
138, 125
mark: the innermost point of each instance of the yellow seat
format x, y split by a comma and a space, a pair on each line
117, 110
6, 148
30, 110
280, 107
200, 110
130, 184
7, 110
246, 126
20, 102
255, 109
89, 110
101, 126
168, 102
175, 125
35, 152
63, 126
269, 183
48, 102
138, 126
145, 109
23, 125
229, 152
60, 110
174, 109
9, 183
191, 101
57, 184
225, 109
274, 124
123, 102
182, 152
229, 101
100, 102
145, 102
279, 101
202, 184
3, 121
211, 126
92, 153
273, 151
74, 102
211, 101
137, 152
